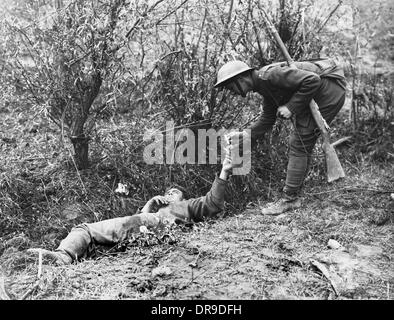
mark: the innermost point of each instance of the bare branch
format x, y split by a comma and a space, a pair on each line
171, 12
330, 15
139, 20
226, 26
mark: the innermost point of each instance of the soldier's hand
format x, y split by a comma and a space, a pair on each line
226, 166
228, 162
284, 113
160, 200
236, 138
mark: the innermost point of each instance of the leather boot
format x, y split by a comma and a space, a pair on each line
60, 258
281, 206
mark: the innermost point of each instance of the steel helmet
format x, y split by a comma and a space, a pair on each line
230, 70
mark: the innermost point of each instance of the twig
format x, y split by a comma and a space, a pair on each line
28, 292
202, 28
46, 17
321, 267
352, 189
258, 40
170, 53
249, 121
171, 12
202, 178
235, 117
329, 16
340, 141
138, 21
194, 278
39, 272
39, 276
45, 194
226, 26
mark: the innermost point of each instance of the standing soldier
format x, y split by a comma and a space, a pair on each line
287, 92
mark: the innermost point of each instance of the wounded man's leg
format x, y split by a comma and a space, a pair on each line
55, 256
106, 232
84, 236
74, 246
77, 242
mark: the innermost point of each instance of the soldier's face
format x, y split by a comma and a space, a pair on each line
173, 195
239, 86
235, 88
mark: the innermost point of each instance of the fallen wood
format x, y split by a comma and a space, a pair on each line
279, 256
350, 269
351, 189
30, 290
341, 141
322, 268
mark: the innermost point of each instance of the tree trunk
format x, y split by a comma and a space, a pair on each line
81, 151
79, 138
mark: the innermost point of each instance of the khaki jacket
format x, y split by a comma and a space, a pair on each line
281, 85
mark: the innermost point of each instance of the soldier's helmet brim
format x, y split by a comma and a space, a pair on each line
230, 70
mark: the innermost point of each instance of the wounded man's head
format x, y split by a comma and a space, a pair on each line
176, 193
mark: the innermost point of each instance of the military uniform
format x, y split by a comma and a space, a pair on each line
82, 238
281, 85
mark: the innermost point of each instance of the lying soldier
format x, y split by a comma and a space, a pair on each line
174, 209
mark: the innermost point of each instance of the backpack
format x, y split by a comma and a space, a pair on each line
324, 67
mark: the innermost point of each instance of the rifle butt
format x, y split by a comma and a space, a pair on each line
334, 167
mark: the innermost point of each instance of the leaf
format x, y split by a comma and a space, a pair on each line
161, 271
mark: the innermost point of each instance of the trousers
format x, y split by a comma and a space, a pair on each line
330, 98
82, 238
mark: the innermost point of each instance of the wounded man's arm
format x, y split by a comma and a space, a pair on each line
209, 205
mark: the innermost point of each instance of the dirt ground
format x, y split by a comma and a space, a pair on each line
241, 256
